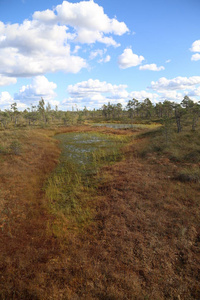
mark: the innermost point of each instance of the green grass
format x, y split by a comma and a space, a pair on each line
189, 174
125, 126
70, 189
181, 147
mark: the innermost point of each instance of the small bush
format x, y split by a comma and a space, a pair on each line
15, 148
193, 156
174, 154
157, 148
189, 175
2, 150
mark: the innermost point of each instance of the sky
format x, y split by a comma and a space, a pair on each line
88, 53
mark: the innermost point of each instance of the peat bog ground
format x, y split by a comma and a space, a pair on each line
132, 232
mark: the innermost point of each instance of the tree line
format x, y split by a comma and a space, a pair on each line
187, 112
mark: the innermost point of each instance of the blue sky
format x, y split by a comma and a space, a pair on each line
86, 53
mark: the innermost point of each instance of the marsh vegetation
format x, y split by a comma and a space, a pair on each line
93, 212
82, 156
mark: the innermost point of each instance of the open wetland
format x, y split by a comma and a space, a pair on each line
97, 213
85, 149
74, 180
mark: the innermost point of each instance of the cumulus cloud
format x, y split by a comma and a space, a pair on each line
5, 99
128, 59
86, 17
142, 95
159, 96
171, 96
195, 46
195, 92
178, 83
91, 37
175, 89
151, 67
39, 87
91, 87
33, 48
195, 57
4, 80
43, 44
96, 93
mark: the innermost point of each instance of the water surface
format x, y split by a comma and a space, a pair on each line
84, 149
120, 126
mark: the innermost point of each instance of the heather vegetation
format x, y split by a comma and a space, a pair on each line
95, 212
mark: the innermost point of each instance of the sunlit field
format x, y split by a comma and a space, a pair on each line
99, 150
99, 213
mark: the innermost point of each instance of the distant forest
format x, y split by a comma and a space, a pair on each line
186, 113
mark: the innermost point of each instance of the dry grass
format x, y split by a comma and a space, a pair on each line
142, 242
25, 242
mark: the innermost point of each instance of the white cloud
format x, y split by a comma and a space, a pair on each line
128, 59
87, 18
4, 80
33, 48
90, 37
46, 16
175, 89
97, 52
43, 44
168, 61
159, 96
195, 46
100, 52
90, 87
195, 92
151, 67
142, 95
105, 60
5, 99
96, 93
40, 87
178, 83
195, 57
171, 96
76, 49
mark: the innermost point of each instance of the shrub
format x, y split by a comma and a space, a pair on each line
2, 150
15, 148
189, 175
193, 156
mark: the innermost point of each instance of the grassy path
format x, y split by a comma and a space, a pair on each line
26, 245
